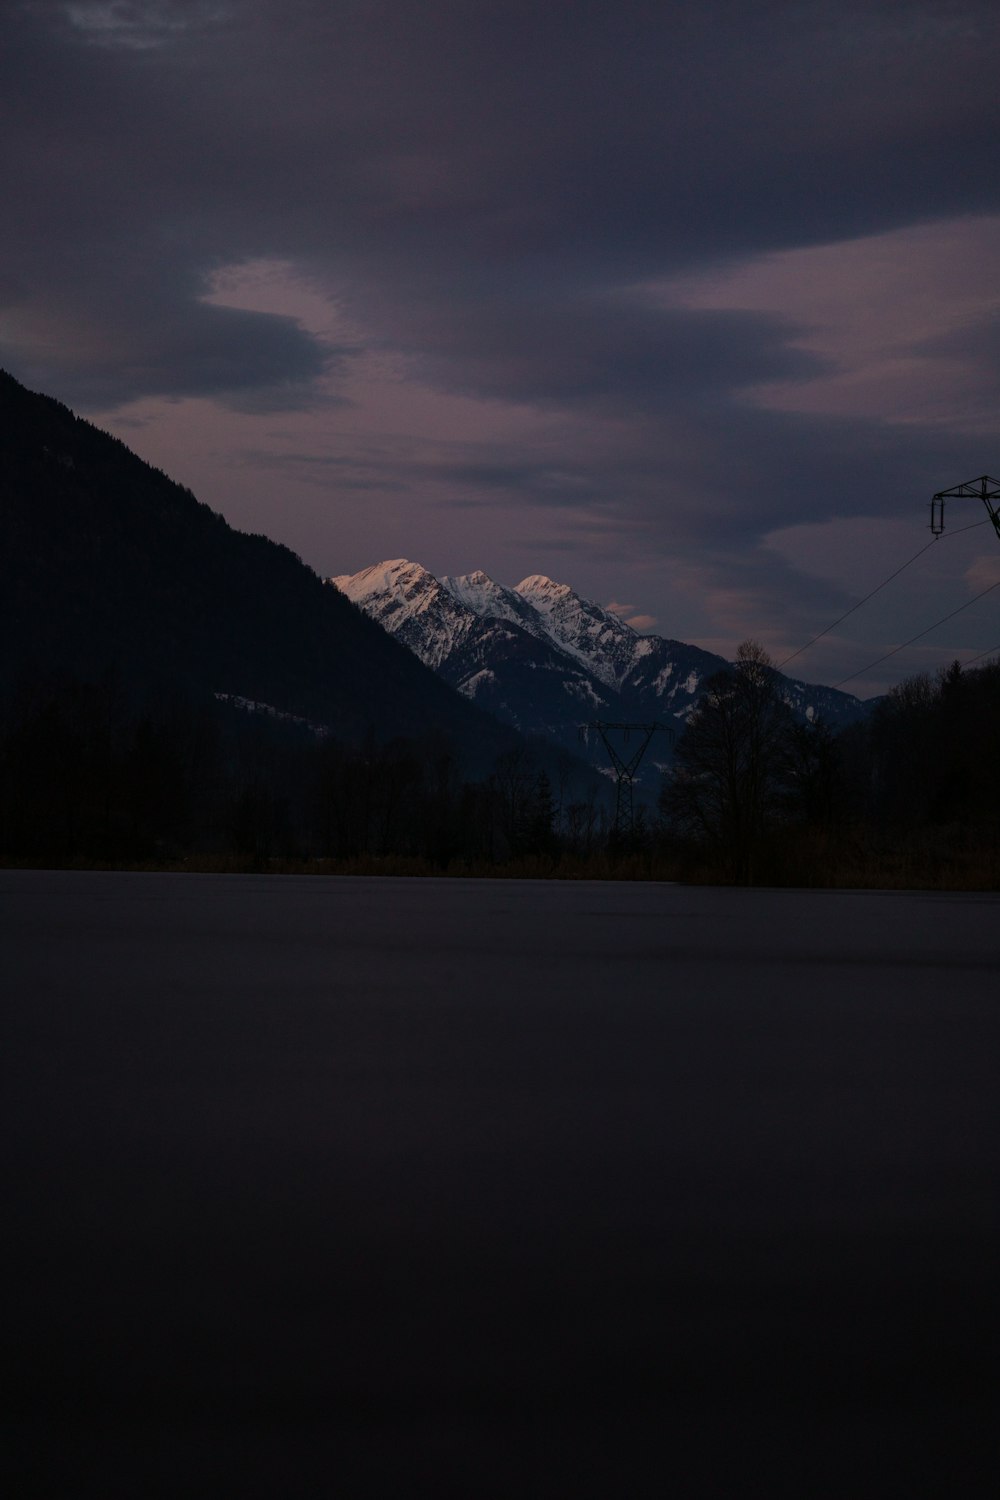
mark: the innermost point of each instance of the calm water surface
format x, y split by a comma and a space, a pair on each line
383, 1188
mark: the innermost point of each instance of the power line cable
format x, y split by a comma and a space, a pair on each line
853, 607
971, 527
874, 591
920, 635
993, 651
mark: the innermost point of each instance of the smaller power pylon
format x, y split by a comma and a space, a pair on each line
984, 488
625, 765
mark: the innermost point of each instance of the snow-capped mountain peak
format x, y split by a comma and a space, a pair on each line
407, 582
539, 583
485, 640
409, 602
491, 600
541, 592
584, 629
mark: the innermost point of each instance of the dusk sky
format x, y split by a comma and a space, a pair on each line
692, 307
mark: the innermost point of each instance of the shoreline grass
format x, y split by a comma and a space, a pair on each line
879, 869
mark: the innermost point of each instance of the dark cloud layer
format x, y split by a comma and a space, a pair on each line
492, 194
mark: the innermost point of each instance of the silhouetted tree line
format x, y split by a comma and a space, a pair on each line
85, 773
909, 795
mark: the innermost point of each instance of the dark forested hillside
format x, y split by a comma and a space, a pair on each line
168, 684
107, 565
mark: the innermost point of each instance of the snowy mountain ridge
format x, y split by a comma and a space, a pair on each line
491, 600
605, 643
545, 659
411, 603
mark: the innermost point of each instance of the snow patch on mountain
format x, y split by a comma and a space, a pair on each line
583, 692
471, 685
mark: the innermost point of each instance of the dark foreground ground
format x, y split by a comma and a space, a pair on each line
375, 1188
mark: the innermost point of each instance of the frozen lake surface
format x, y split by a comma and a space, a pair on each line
379, 1188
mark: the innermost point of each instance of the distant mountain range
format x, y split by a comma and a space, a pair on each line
546, 660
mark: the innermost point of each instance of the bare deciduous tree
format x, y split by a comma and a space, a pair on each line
728, 774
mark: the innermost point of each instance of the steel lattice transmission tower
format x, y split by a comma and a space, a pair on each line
984, 488
626, 765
